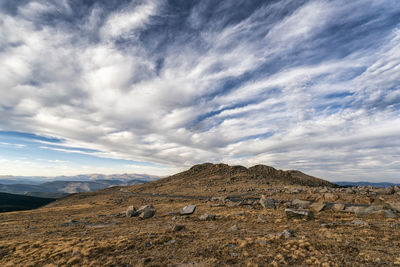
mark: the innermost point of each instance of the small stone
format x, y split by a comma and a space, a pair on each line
260, 218
287, 233
318, 206
355, 209
178, 227
234, 228
187, 210
75, 252
170, 242
267, 203
395, 206
358, 223
301, 203
261, 242
299, 214
330, 197
208, 217
338, 207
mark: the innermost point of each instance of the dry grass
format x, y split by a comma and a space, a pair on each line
100, 237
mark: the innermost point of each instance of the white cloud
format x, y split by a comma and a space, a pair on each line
132, 18
119, 99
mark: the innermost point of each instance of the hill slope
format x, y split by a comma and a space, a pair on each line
11, 202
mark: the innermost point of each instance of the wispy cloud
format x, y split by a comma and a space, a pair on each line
311, 85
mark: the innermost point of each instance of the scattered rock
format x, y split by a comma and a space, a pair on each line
338, 207
301, 203
131, 212
75, 252
395, 206
170, 242
299, 214
267, 203
287, 233
390, 190
146, 212
187, 210
355, 209
330, 197
383, 213
71, 223
234, 228
208, 217
358, 223
318, 206
260, 218
178, 227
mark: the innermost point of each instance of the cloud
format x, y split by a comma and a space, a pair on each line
310, 85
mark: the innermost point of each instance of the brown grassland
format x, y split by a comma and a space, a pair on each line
90, 229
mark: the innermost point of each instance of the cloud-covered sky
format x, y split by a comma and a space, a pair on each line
157, 86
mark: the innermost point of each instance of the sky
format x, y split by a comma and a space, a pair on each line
158, 86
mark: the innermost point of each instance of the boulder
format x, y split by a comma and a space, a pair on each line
146, 212
187, 210
299, 214
267, 203
371, 211
317, 206
131, 212
301, 203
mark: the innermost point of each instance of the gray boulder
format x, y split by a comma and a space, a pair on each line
131, 212
146, 212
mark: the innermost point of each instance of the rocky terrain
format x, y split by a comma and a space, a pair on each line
211, 215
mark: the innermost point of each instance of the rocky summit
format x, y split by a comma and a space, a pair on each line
211, 215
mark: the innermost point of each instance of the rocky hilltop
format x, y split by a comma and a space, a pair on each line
211, 215
209, 178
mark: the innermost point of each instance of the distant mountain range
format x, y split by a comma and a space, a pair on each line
56, 187
9, 179
383, 184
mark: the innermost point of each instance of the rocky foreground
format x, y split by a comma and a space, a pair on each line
258, 223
